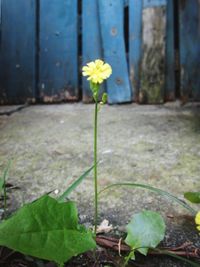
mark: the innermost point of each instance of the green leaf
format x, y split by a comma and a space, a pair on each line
4, 176
104, 98
74, 185
146, 230
48, 230
153, 189
1, 184
193, 197
171, 254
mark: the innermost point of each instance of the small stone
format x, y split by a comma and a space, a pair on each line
56, 192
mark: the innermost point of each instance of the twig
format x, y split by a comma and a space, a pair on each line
119, 246
183, 246
113, 243
8, 255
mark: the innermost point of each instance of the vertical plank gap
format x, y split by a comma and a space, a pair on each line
177, 49
37, 50
0, 21
80, 50
126, 28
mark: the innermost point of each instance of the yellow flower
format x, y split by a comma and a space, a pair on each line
97, 71
197, 220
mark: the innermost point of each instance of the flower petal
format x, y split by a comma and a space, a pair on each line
97, 71
197, 218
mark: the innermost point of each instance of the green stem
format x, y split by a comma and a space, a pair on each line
127, 259
168, 253
5, 197
95, 166
5, 174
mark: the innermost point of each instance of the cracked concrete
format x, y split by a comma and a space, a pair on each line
52, 145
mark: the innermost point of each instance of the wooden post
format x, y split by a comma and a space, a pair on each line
17, 54
170, 54
135, 42
58, 58
91, 42
112, 32
153, 51
189, 14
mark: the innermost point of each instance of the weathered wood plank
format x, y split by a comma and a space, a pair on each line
58, 75
91, 41
153, 3
154, 53
0, 15
112, 32
170, 54
17, 54
189, 12
135, 51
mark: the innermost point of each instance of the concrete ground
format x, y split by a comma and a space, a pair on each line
50, 145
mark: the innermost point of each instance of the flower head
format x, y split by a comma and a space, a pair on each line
97, 71
197, 220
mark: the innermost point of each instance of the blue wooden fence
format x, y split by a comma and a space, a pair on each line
190, 48
17, 54
44, 43
58, 57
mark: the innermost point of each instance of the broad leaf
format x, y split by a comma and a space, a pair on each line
74, 185
48, 230
145, 230
193, 197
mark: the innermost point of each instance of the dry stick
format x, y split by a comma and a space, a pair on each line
113, 243
8, 255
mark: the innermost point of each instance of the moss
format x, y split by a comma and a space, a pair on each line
188, 164
151, 94
143, 146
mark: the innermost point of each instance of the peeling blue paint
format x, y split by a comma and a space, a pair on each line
154, 3
58, 59
91, 41
190, 48
39, 49
112, 33
17, 53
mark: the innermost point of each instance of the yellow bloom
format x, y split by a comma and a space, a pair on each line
197, 220
97, 71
